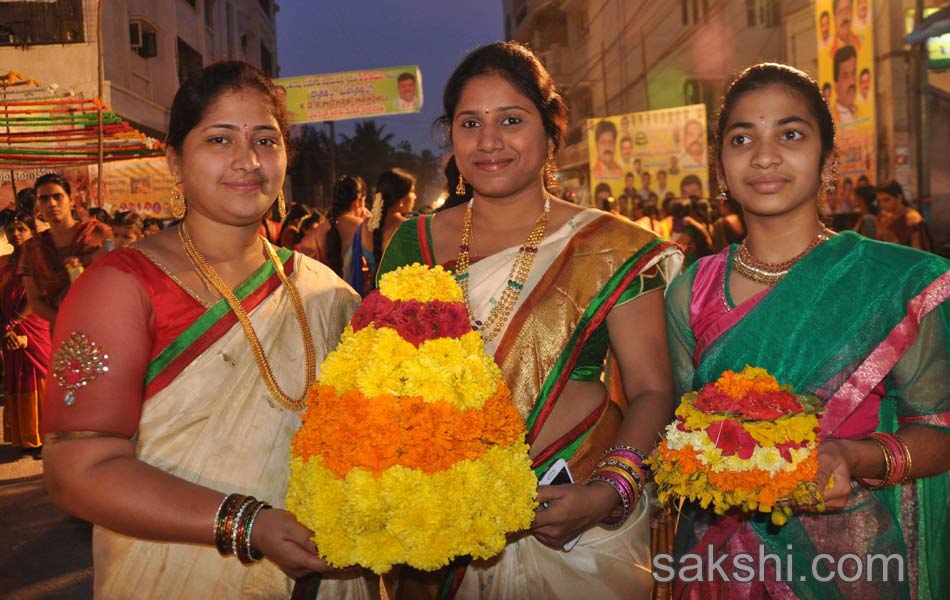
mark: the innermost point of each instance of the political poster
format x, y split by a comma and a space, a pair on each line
649, 155
352, 94
143, 185
847, 79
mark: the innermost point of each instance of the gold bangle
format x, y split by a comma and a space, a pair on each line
877, 484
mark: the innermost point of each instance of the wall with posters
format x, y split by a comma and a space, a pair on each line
144, 186
78, 178
847, 77
353, 94
659, 151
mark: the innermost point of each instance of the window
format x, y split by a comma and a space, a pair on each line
267, 60
143, 38
209, 13
189, 61
766, 13
37, 23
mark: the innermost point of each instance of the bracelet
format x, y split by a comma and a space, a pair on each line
224, 522
620, 485
239, 524
876, 484
900, 456
910, 462
246, 553
627, 465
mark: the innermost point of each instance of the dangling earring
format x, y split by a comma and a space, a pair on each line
460, 186
829, 182
723, 196
550, 169
177, 205
282, 205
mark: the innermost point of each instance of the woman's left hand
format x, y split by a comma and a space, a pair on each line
833, 464
571, 510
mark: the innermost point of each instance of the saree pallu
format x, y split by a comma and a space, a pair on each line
44, 262
24, 369
580, 273
864, 326
209, 419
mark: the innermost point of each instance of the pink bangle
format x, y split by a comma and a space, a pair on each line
899, 454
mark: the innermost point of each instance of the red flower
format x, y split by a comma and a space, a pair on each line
768, 406
711, 400
731, 438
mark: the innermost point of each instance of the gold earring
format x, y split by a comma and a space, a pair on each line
177, 205
550, 169
460, 186
282, 205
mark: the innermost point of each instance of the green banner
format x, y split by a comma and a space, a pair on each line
352, 94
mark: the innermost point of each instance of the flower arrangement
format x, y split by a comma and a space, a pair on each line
411, 450
743, 441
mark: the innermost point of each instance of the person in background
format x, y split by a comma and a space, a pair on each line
53, 259
866, 205
290, 234
308, 226
538, 274
151, 226
392, 204
729, 227
898, 222
127, 228
100, 214
338, 240
863, 326
26, 345
211, 338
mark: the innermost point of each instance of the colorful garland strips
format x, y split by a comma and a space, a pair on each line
743, 441
411, 450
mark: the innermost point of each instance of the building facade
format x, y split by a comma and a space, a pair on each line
148, 48
617, 56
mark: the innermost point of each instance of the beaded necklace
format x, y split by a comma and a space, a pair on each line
520, 269
748, 266
310, 355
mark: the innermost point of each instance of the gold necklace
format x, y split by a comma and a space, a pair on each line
310, 354
520, 269
761, 272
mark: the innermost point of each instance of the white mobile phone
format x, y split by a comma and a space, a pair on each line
559, 474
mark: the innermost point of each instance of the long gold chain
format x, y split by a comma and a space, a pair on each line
520, 269
310, 354
750, 267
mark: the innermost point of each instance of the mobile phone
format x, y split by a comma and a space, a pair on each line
559, 474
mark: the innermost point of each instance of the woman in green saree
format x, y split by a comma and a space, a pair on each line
785, 299
548, 308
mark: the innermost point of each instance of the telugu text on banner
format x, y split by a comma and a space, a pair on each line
352, 94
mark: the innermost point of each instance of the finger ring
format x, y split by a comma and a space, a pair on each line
545, 505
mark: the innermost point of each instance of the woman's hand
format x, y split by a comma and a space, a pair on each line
280, 537
833, 464
571, 510
12, 341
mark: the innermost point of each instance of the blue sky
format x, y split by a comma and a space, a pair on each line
326, 36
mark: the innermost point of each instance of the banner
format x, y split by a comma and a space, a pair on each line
78, 178
846, 76
144, 186
649, 155
352, 94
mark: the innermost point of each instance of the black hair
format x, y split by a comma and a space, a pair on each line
867, 195
452, 197
825, 13
347, 190
149, 221
863, 71
626, 138
54, 178
892, 188
844, 54
296, 214
393, 185
763, 75
518, 65
404, 76
26, 200
100, 214
200, 91
129, 219
693, 179
603, 127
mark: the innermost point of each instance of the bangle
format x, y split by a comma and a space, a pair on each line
627, 465
899, 454
621, 486
238, 523
910, 462
224, 522
246, 553
876, 484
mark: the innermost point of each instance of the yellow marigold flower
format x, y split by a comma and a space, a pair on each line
419, 282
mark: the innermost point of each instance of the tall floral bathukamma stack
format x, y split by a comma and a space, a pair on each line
411, 450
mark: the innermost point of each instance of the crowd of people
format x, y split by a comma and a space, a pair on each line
182, 357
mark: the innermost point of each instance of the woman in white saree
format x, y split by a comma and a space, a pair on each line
181, 363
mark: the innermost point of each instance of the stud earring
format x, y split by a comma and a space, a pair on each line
460, 186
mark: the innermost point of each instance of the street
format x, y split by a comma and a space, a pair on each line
44, 553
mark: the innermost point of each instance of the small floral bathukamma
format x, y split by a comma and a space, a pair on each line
411, 450
744, 441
